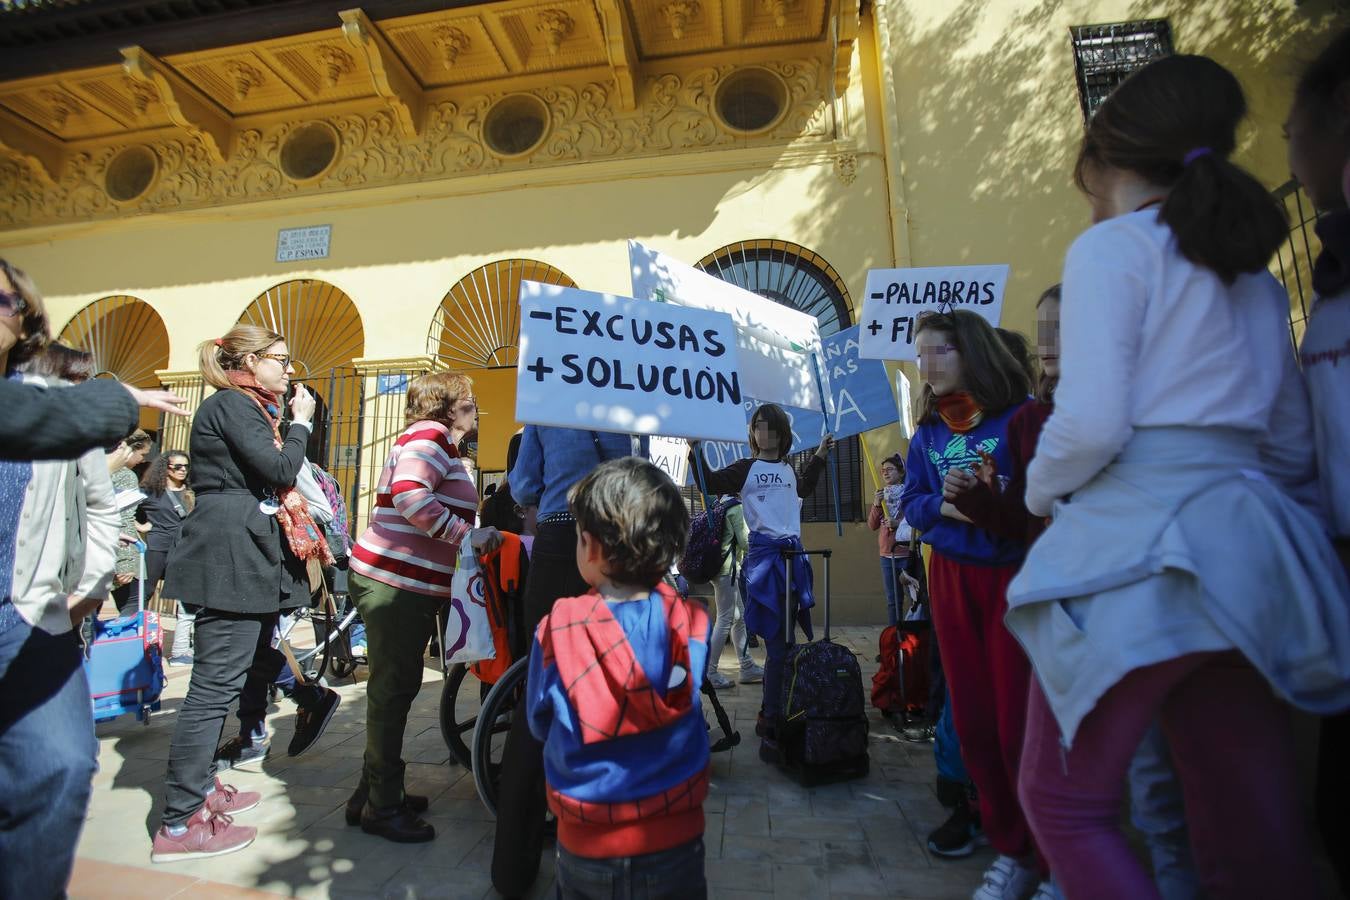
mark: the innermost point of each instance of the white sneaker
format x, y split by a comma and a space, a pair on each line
719, 681
752, 674
1048, 890
1006, 880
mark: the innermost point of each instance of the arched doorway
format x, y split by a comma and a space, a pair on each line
476, 330
128, 341
325, 336
800, 278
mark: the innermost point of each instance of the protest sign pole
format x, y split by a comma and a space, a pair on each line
834, 461
700, 477
871, 467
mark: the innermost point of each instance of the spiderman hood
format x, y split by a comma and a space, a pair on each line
605, 682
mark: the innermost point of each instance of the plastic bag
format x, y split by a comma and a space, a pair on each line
468, 632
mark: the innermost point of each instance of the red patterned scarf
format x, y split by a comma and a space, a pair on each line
960, 411
302, 532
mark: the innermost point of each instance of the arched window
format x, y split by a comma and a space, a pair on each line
788, 273
800, 278
128, 341
477, 330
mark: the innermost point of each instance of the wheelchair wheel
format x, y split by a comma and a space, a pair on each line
456, 732
502, 703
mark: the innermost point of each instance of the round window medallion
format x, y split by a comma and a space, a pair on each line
130, 173
515, 125
308, 151
751, 100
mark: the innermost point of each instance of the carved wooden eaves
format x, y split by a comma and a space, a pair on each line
187, 107
390, 78
847, 22
43, 154
621, 48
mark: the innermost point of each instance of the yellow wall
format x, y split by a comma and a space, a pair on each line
990, 120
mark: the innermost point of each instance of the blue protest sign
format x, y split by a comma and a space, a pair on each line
862, 401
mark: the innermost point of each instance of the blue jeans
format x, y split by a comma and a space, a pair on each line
891, 568
48, 756
674, 874
1158, 810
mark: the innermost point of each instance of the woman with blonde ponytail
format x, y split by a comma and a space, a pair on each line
241, 556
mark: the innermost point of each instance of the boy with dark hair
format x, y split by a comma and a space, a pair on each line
613, 694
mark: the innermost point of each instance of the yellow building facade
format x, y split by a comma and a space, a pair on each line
450, 152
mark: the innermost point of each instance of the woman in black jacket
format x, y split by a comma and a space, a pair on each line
241, 556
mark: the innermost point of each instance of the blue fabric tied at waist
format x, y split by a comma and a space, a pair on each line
763, 573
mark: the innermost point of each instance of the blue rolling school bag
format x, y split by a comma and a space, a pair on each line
125, 661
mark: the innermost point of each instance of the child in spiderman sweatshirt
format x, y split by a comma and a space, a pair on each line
613, 694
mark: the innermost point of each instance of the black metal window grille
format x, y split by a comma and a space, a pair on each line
1105, 55
801, 279
1293, 261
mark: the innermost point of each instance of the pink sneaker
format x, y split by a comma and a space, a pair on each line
208, 834
226, 800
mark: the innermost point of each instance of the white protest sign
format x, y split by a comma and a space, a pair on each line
609, 363
895, 299
670, 455
906, 404
776, 342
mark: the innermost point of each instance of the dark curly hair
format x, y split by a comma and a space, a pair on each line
155, 481
637, 514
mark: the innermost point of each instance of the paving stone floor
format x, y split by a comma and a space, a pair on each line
766, 836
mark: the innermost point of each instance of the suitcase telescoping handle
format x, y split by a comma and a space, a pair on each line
788, 631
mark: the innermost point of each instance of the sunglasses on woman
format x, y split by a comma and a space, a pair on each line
11, 304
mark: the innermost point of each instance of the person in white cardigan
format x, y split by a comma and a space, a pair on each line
1179, 578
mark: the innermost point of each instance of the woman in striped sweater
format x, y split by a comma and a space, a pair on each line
400, 575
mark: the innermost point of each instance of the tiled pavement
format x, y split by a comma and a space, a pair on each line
766, 836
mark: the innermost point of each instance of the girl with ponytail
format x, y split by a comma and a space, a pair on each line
1179, 579
241, 556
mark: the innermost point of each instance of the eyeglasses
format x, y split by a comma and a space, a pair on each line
284, 359
178, 467
11, 304
937, 350
468, 403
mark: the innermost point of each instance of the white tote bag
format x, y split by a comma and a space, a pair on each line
468, 633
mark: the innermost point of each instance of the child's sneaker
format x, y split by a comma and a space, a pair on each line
208, 834
1048, 890
1006, 880
180, 660
226, 800
242, 753
720, 682
958, 836
752, 674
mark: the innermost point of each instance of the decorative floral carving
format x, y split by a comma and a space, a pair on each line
334, 62
779, 9
846, 167
451, 42
244, 77
555, 25
60, 106
678, 14
142, 95
673, 114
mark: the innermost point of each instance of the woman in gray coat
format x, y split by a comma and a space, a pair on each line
242, 556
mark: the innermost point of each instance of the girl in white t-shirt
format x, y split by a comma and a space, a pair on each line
771, 493
1179, 580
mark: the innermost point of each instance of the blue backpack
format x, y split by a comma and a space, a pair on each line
703, 557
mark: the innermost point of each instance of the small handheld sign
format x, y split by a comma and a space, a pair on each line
607, 363
895, 298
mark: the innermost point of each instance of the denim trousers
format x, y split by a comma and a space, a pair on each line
227, 645
730, 620
891, 567
48, 756
674, 874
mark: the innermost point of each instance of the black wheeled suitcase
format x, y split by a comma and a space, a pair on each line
822, 732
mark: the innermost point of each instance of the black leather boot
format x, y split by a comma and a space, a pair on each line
396, 823
414, 803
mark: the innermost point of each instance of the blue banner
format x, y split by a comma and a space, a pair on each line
863, 400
